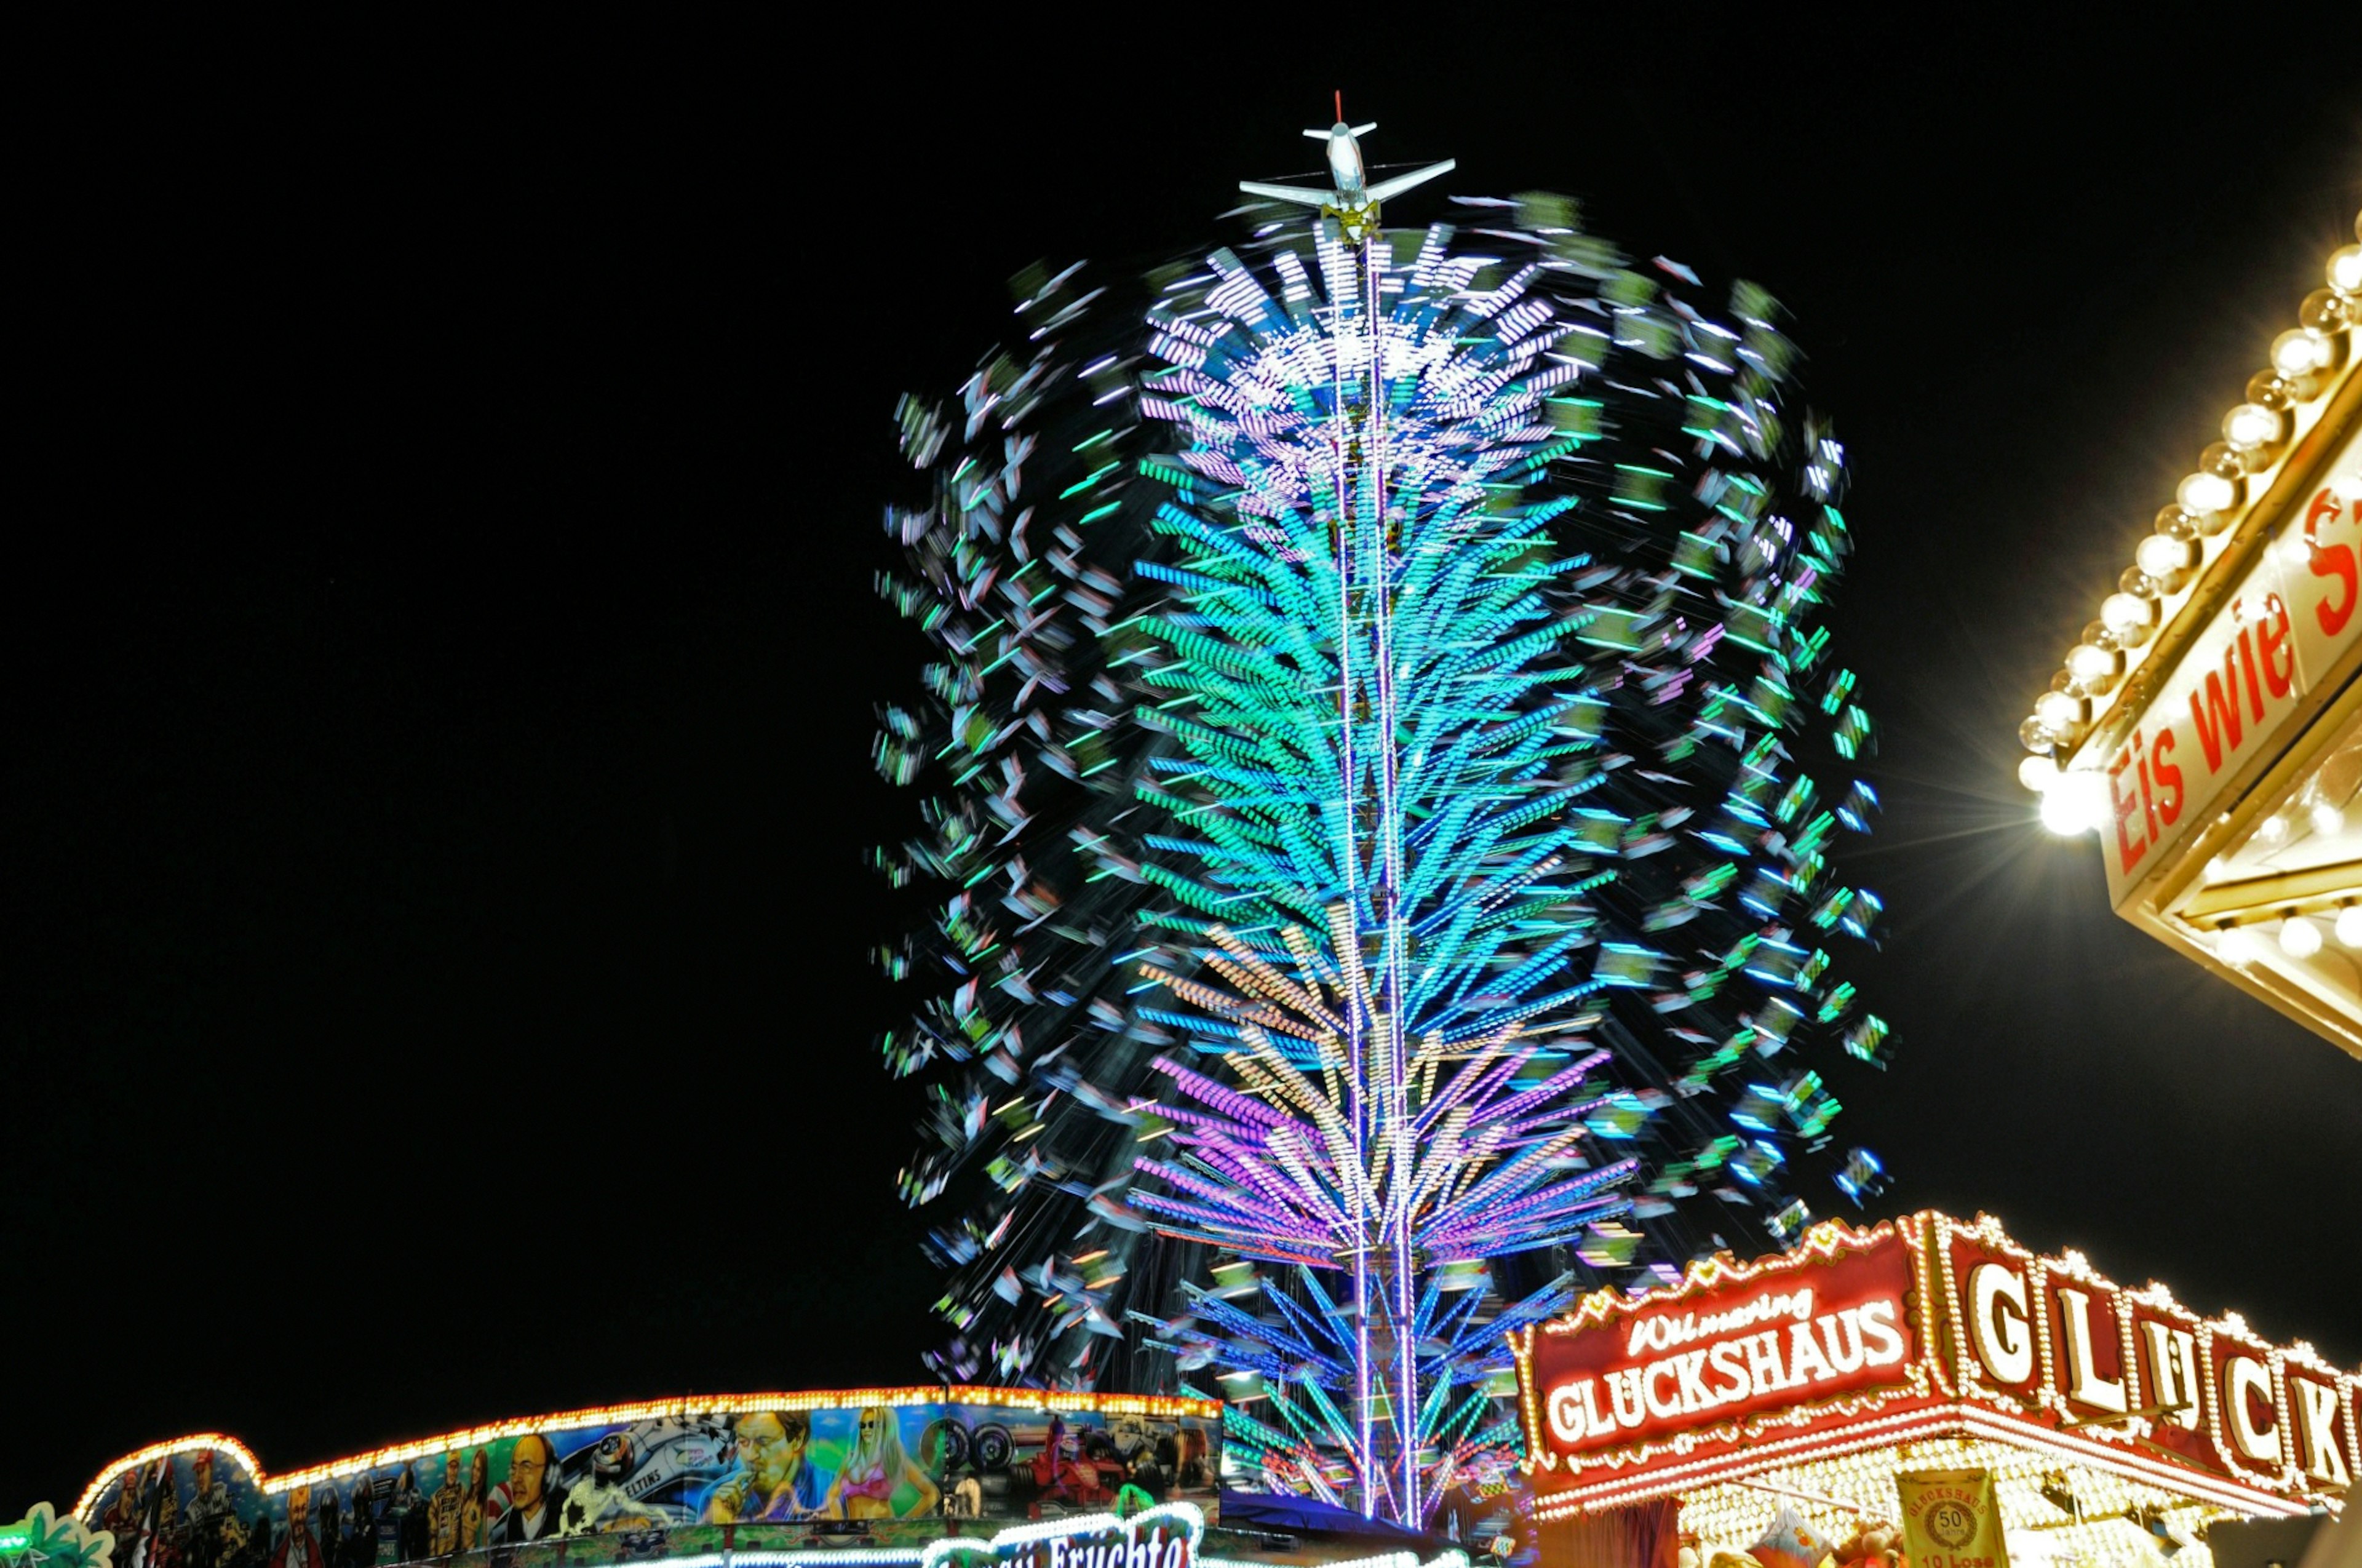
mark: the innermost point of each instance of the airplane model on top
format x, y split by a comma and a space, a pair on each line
1353, 196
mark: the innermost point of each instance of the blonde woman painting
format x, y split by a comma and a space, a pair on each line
471, 1506
875, 1467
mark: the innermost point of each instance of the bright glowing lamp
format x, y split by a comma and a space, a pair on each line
2126, 614
2251, 425
2037, 774
2299, 938
2345, 270
2075, 802
2206, 494
2349, 926
2237, 945
2059, 710
2298, 351
2161, 557
2091, 666
2328, 819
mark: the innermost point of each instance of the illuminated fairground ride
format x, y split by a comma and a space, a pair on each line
940, 1477
1386, 774
1772, 1410
2207, 724
2116, 1424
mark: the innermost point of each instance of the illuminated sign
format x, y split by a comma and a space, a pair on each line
1165, 1536
2205, 725
1830, 1327
1923, 1327
976, 1427
2276, 638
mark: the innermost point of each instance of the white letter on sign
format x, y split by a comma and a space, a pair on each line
2172, 1372
2242, 1374
1565, 1406
2000, 1337
1884, 1340
2316, 1427
2083, 1383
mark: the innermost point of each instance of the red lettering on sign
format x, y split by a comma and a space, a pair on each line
2149, 802
2247, 669
2168, 777
2223, 734
2128, 854
2275, 650
2331, 560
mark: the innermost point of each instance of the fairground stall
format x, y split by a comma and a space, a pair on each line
1769, 1408
963, 1478
2207, 724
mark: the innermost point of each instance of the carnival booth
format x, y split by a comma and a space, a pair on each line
940, 1477
2207, 727
1874, 1384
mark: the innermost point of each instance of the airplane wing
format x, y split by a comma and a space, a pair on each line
1386, 189
1301, 196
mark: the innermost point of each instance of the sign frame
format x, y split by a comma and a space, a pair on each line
2040, 1352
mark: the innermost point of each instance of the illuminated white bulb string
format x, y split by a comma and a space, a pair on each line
2173, 563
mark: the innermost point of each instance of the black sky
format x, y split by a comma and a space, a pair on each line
441, 655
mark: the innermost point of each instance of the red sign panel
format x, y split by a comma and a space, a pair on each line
1923, 1327
1803, 1331
2171, 1384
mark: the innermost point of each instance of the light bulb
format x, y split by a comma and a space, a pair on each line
2349, 926
2061, 814
2328, 820
2295, 550
2299, 938
2075, 802
2126, 614
2237, 945
2274, 830
2345, 270
2206, 494
2298, 352
2161, 557
2250, 425
2089, 665
2059, 710
2037, 774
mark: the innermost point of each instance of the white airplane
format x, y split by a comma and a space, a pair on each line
1351, 194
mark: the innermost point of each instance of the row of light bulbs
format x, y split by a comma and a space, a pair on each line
1733, 1515
686, 1406
2300, 937
2255, 436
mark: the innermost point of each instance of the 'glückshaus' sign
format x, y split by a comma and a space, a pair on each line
1800, 1335
1923, 1327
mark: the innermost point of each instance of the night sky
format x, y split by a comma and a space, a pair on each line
434, 771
